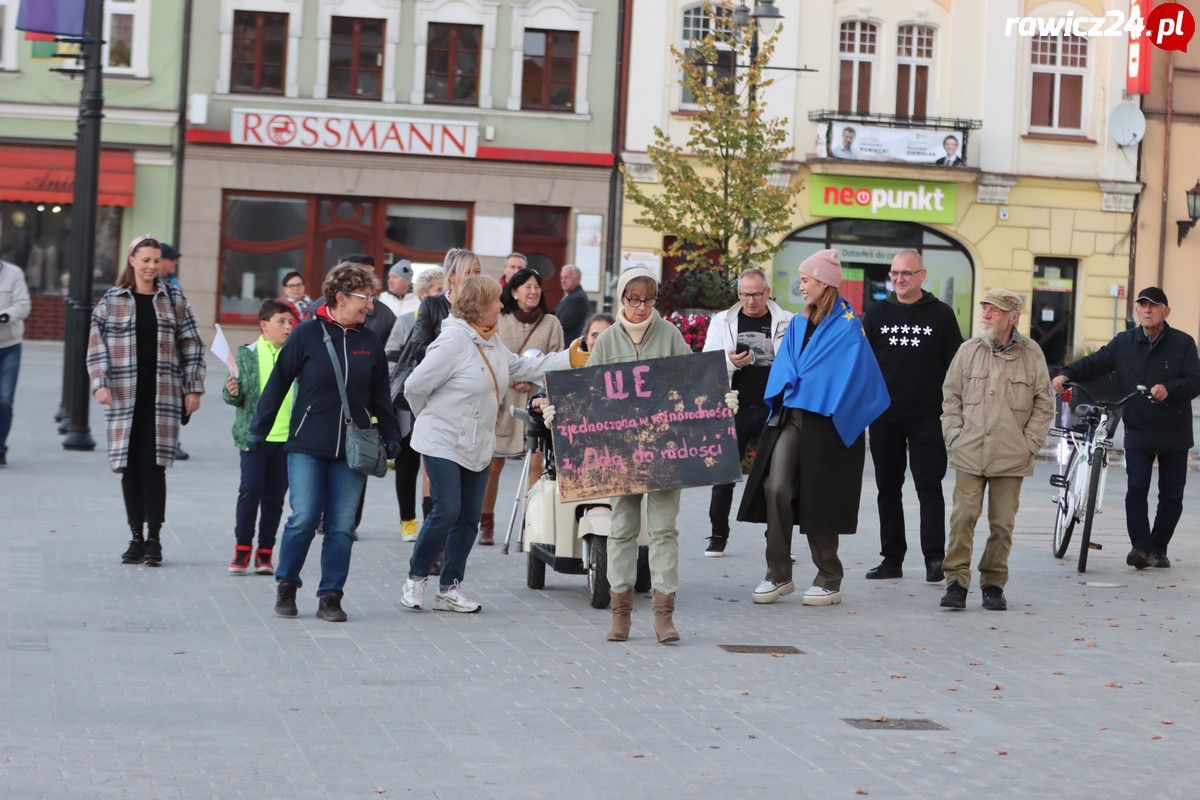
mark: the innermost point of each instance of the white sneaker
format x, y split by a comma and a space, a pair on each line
817, 596
453, 599
769, 591
413, 595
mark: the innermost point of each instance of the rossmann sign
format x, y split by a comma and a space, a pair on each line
882, 198
354, 132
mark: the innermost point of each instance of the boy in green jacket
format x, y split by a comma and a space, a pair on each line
264, 471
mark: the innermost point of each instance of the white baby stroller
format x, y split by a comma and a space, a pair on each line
571, 538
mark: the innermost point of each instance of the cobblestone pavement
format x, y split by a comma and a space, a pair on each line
132, 682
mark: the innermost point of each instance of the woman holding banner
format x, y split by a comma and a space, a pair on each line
824, 388
640, 334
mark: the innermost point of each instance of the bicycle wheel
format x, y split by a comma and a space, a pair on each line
1064, 520
1099, 463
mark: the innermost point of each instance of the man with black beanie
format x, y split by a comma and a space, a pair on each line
914, 336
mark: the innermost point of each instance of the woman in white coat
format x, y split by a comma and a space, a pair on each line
455, 393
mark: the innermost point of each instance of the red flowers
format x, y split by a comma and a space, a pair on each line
694, 328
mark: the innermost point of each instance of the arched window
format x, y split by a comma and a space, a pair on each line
695, 25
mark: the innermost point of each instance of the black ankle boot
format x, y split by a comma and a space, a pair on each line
285, 600
330, 608
426, 507
152, 553
135, 552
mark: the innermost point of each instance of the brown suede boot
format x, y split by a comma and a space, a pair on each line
622, 607
487, 529
664, 626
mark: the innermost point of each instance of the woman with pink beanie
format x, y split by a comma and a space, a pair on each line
824, 389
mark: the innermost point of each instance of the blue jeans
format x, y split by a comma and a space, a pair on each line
264, 483
457, 495
319, 485
10, 365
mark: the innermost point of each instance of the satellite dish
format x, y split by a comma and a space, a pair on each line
1126, 124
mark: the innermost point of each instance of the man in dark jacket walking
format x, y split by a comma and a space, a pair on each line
914, 336
1158, 356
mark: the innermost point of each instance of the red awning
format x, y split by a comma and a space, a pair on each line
47, 175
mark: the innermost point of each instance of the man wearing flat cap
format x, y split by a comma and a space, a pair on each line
996, 412
1163, 359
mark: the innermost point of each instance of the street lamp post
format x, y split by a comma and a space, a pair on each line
83, 233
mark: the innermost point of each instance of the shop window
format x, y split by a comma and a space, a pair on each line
452, 63
356, 58
914, 59
259, 52
1058, 66
432, 229
548, 77
856, 57
34, 237
8, 35
696, 25
262, 239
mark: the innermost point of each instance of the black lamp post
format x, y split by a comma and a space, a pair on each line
1193, 205
765, 17
76, 390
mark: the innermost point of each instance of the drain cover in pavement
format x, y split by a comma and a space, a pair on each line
772, 649
887, 724
1102, 585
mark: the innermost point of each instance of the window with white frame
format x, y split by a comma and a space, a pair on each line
450, 36
914, 62
356, 49
260, 50
562, 17
126, 49
1058, 67
696, 24
857, 45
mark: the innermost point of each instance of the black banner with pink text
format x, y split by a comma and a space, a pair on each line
643, 426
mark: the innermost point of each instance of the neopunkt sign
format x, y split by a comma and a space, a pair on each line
882, 198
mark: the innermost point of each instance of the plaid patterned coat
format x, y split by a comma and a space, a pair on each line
112, 364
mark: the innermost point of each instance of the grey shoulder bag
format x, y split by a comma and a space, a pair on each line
365, 452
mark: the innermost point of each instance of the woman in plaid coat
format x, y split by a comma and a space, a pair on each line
146, 364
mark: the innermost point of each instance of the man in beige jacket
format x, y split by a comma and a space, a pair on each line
997, 408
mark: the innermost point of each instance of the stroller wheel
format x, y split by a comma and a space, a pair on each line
535, 572
642, 583
597, 574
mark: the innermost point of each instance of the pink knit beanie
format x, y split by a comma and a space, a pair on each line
823, 266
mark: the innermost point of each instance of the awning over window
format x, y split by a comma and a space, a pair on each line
47, 175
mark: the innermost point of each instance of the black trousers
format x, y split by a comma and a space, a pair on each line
1172, 476
144, 482
264, 482
408, 467
917, 445
749, 421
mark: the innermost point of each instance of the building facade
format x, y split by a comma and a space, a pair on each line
927, 127
397, 128
142, 63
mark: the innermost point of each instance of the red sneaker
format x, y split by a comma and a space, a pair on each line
241, 559
262, 562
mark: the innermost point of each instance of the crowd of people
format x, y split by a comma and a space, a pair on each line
812, 389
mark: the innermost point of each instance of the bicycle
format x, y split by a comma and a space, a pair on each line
1083, 477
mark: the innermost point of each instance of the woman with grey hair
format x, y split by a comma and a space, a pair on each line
321, 482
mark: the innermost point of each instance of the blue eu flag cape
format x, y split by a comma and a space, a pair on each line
836, 375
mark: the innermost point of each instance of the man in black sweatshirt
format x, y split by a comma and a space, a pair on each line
914, 336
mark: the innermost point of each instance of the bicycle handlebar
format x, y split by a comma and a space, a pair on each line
1139, 391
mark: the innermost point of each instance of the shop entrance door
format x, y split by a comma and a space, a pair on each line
540, 233
1052, 308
